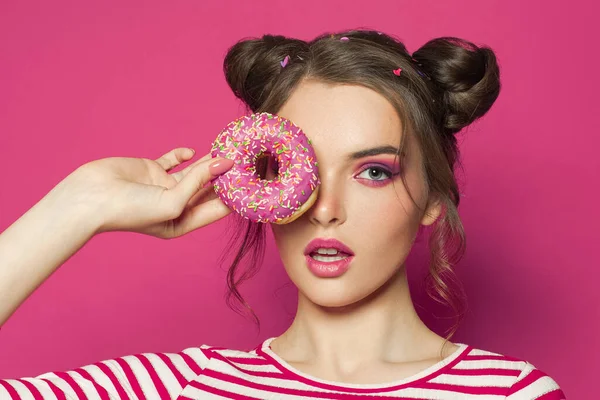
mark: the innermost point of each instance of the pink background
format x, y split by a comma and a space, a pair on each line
81, 81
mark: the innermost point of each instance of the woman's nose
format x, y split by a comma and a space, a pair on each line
329, 207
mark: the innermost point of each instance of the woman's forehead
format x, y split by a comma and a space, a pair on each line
343, 118
347, 115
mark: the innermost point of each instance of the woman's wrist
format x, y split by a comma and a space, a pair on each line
39, 242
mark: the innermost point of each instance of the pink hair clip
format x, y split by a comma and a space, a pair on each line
285, 61
397, 71
344, 39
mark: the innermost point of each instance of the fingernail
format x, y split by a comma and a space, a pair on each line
220, 166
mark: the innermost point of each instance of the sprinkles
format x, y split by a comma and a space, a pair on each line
242, 190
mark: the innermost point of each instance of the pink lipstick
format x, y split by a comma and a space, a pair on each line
328, 258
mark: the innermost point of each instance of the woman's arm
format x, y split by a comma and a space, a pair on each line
110, 194
41, 240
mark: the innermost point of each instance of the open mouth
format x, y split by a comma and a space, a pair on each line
328, 255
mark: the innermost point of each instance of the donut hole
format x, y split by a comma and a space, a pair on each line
267, 166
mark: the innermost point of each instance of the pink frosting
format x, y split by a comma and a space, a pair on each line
242, 190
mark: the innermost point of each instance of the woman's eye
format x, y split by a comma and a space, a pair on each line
375, 174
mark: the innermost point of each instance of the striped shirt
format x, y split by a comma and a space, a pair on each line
209, 372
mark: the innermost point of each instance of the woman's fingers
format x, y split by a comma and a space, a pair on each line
205, 194
174, 157
201, 215
205, 157
180, 174
191, 183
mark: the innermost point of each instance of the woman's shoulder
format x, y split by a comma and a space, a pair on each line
206, 353
155, 375
525, 380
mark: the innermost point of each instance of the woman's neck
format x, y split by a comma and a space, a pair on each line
382, 327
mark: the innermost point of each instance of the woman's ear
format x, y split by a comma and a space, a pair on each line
433, 210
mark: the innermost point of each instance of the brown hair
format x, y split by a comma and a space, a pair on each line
444, 86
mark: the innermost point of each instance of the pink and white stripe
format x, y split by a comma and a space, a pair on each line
207, 372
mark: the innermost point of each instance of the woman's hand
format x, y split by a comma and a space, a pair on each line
139, 195
110, 194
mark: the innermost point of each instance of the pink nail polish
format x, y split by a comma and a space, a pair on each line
220, 166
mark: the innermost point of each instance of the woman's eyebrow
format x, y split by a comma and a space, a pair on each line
373, 152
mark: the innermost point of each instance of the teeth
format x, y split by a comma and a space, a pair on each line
327, 258
327, 251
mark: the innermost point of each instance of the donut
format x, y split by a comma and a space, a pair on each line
278, 201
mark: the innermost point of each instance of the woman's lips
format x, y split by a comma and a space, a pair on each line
327, 243
329, 269
328, 265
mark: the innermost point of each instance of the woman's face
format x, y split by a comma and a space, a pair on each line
357, 203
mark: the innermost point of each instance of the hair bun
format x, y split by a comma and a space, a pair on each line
468, 75
251, 66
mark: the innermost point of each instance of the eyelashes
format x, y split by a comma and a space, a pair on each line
376, 175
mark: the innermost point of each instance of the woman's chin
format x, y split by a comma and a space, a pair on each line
334, 295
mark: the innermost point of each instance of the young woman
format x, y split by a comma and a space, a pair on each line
382, 123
